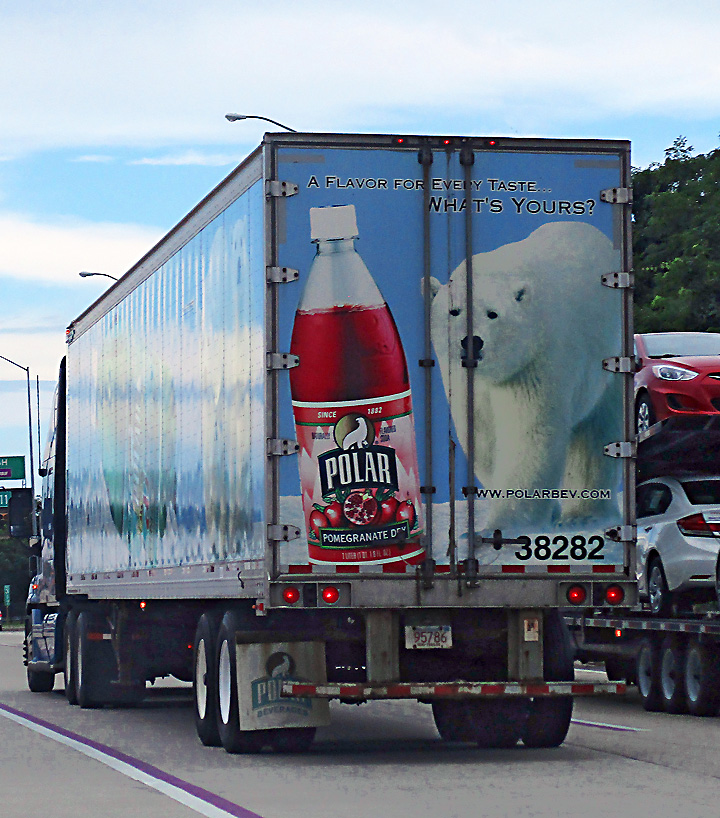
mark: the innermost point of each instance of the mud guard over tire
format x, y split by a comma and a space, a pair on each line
549, 717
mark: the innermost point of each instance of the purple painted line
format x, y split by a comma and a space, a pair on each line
204, 795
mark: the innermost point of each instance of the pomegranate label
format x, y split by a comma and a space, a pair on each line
361, 494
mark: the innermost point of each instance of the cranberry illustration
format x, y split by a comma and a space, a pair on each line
406, 511
318, 520
388, 509
334, 514
360, 508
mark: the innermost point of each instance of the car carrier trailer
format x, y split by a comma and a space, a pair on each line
356, 428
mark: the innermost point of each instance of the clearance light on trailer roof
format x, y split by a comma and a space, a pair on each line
576, 595
330, 594
291, 594
614, 594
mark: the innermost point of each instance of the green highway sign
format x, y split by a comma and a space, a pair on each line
5, 498
7, 595
12, 468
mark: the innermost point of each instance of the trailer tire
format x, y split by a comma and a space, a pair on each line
94, 664
69, 665
672, 676
616, 669
205, 680
648, 674
291, 739
549, 718
489, 723
702, 680
40, 681
232, 738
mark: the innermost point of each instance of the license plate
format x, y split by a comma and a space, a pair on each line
428, 636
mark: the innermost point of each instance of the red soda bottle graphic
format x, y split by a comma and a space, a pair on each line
353, 409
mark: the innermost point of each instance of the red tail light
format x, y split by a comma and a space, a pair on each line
697, 526
291, 594
614, 594
330, 594
576, 595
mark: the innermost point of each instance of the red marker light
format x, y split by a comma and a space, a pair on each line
446, 141
618, 632
291, 594
614, 594
330, 594
576, 595
143, 605
399, 140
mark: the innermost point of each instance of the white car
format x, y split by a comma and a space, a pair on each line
678, 526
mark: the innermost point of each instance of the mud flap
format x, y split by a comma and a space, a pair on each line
262, 668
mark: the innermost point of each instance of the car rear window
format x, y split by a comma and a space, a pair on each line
664, 345
702, 492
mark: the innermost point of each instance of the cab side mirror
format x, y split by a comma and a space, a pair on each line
20, 514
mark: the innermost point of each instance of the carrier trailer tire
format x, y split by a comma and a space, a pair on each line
672, 675
69, 658
648, 674
702, 680
489, 723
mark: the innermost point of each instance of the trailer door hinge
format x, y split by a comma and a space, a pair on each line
618, 280
281, 275
281, 446
617, 195
283, 533
627, 364
274, 187
282, 360
625, 448
622, 533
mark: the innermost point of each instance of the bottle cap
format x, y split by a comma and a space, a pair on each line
336, 222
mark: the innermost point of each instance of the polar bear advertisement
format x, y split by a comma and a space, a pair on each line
544, 408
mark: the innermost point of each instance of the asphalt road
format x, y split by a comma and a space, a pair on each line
382, 759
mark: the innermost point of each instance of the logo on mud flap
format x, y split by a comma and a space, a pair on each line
266, 698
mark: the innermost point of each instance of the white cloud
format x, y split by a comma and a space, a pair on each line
164, 73
57, 251
94, 158
191, 158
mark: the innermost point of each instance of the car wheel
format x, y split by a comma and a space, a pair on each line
660, 595
644, 415
672, 676
702, 680
648, 674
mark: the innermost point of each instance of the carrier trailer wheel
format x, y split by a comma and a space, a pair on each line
702, 680
489, 723
648, 674
69, 658
672, 675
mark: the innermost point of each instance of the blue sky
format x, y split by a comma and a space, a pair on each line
112, 115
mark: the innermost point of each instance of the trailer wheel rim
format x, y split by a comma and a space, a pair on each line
644, 671
693, 674
668, 673
224, 682
201, 692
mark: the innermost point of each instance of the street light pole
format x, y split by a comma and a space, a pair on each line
26, 369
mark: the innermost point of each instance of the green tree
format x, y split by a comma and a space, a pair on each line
676, 242
14, 571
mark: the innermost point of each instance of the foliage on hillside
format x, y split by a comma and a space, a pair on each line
676, 242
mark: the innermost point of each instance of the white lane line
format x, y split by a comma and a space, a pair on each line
196, 798
620, 727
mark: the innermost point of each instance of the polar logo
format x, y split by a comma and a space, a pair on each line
544, 408
354, 431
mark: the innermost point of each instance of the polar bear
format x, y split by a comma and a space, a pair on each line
544, 408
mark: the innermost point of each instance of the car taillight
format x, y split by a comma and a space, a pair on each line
576, 595
291, 594
697, 526
614, 594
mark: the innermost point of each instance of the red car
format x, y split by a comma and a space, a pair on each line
679, 375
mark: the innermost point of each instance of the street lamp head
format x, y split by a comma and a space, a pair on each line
85, 274
236, 117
